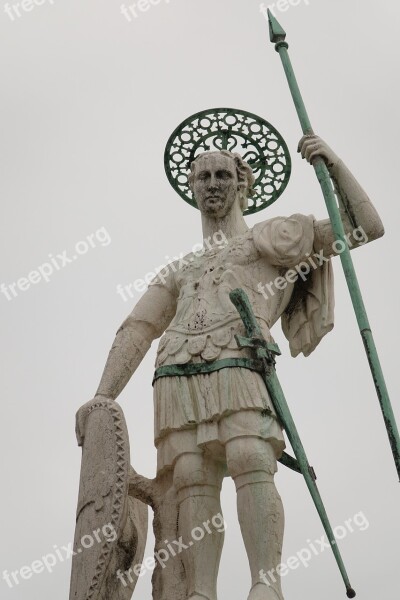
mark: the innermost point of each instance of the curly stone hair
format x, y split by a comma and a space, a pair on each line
244, 172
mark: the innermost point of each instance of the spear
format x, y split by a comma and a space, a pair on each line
278, 37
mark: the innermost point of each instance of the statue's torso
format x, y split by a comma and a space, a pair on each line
206, 321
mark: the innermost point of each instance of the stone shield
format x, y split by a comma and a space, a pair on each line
111, 527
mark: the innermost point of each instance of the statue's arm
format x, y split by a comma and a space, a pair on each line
148, 320
358, 213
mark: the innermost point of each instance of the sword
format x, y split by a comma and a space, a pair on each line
265, 353
278, 36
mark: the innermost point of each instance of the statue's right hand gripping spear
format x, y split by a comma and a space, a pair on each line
278, 37
265, 354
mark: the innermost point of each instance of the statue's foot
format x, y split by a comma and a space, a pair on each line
262, 591
197, 596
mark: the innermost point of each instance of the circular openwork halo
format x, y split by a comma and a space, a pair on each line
256, 140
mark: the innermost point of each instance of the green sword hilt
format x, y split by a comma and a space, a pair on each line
255, 339
262, 348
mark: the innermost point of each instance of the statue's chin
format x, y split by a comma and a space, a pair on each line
216, 209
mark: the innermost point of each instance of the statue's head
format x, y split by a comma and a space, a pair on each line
220, 179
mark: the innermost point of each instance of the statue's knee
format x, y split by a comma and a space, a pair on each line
196, 475
250, 460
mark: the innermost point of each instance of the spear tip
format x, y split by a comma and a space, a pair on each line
276, 31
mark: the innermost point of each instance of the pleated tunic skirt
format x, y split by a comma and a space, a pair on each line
206, 410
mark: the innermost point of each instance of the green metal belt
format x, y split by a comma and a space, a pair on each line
190, 369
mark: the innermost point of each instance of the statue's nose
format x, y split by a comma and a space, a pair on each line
213, 184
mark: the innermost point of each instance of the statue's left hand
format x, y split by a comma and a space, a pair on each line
312, 146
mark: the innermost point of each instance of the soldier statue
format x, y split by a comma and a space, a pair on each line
213, 416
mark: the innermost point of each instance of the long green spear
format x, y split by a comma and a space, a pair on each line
278, 36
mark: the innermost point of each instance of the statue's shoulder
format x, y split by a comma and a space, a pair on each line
283, 239
287, 226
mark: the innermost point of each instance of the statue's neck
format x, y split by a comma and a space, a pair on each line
231, 226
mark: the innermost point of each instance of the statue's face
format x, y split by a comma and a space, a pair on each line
215, 185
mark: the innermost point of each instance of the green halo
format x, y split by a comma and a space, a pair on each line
256, 140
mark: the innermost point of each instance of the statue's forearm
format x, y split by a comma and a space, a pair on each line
147, 321
130, 346
356, 209
355, 203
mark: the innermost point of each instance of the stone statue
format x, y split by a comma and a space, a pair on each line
217, 421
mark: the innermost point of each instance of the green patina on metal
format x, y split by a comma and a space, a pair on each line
256, 140
263, 353
278, 35
189, 369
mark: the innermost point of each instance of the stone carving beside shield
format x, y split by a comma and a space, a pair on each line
111, 526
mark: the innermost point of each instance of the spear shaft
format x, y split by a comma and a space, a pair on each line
277, 36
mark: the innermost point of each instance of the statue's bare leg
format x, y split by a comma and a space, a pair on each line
198, 480
252, 464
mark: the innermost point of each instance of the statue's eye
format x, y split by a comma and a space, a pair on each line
224, 174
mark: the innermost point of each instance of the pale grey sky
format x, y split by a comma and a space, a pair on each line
88, 102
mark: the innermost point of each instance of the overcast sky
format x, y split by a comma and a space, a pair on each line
87, 104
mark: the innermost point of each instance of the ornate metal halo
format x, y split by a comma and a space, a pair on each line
256, 140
